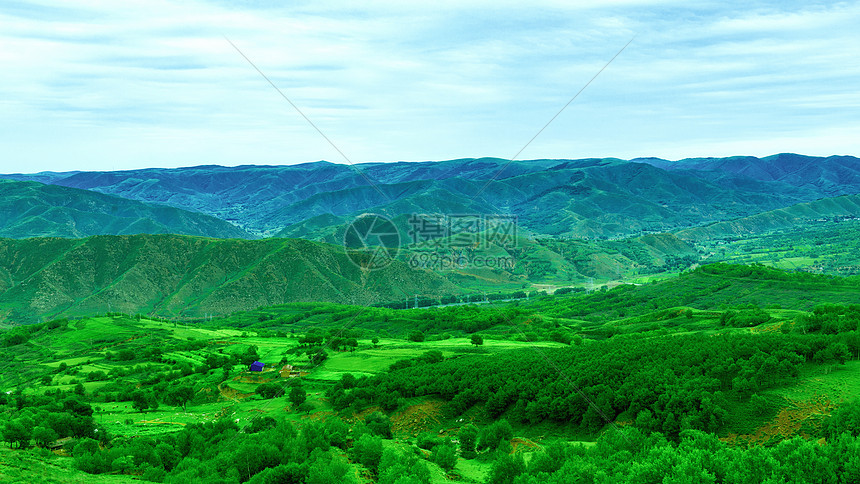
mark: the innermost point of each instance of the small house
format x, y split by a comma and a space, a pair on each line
256, 366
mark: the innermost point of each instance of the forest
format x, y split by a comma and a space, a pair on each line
689, 379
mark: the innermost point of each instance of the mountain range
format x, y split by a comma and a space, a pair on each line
81, 242
592, 198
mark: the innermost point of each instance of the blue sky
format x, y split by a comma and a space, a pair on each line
98, 85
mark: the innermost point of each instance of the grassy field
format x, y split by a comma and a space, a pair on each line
46, 467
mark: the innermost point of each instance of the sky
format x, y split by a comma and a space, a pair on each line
103, 85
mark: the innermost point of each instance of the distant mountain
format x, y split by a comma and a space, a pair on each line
830, 176
172, 275
32, 209
580, 198
793, 217
594, 198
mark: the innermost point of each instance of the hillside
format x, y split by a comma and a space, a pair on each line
795, 216
32, 209
170, 275
582, 198
691, 370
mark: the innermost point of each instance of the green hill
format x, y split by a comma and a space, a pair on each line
32, 209
171, 275
795, 216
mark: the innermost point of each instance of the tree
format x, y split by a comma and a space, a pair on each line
317, 357
250, 355
494, 434
445, 456
330, 470
44, 436
141, 401
846, 418
368, 451
283, 474
179, 396
347, 381
15, 432
468, 436
416, 336
477, 340
506, 469
375, 341
269, 390
379, 424
298, 396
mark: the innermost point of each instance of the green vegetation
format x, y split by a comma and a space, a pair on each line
171, 275
723, 374
31, 209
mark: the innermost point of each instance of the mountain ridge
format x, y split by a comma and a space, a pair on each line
175, 275
34, 209
591, 197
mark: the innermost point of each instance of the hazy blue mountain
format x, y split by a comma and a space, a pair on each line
583, 198
830, 176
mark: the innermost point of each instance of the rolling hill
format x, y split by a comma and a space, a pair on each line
172, 275
795, 216
32, 209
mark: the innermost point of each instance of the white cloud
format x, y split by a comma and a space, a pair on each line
103, 85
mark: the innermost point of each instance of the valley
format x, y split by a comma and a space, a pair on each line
375, 389
614, 334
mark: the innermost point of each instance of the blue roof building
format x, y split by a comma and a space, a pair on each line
257, 366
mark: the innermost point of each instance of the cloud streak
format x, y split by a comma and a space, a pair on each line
108, 86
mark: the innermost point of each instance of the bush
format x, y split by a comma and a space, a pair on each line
445, 456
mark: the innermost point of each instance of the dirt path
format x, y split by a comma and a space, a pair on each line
159, 421
792, 420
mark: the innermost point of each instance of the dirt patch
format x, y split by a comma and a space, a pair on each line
229, 393
519, 444
320, 416
103, 348
772, 328
225, 411
356, 417
257, 377
798, 418
417, 418
159, 421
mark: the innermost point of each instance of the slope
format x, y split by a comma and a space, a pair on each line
31, 209
795, 216
171, 275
